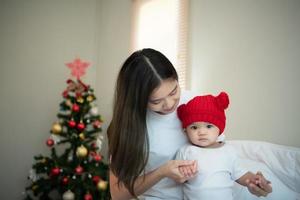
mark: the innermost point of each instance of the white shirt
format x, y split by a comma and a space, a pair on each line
218, 168
165, 138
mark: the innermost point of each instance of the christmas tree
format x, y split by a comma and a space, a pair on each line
78, 172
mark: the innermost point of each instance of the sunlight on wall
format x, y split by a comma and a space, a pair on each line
161, 25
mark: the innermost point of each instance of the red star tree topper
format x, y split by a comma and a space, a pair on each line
78, 67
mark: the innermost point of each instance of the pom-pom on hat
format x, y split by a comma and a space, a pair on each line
206, 108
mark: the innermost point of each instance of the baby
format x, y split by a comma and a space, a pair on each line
203, 120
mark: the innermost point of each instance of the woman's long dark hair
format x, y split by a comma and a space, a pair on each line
141, 73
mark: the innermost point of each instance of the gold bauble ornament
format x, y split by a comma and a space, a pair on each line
90, 98
81, 151
56, 128
34, 187
102, 185
80, 100
81, 136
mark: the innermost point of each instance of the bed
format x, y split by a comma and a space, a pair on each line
280, 164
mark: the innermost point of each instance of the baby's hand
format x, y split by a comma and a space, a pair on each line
259, 185
171, 169
189, 171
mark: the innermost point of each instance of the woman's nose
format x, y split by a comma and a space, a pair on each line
168, 103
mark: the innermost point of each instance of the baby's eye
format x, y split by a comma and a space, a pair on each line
194, 127
209, 126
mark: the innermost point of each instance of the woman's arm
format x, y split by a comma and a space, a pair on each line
120, 192
143, 183
257, 184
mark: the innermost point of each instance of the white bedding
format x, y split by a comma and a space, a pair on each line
279, 164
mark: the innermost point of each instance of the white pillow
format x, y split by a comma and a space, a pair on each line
280, 190
279, 164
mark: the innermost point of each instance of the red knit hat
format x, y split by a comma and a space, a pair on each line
206, 108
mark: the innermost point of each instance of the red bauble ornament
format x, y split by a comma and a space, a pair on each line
97, 124
75, 108
50, 142
65, 93
78, 94
96, 179
72, 123
97, 157
88, 197
55, 171
80, 126
94, 145
78, 169
65, 180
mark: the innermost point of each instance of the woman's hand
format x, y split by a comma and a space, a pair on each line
179, 170
259, 185
189, 171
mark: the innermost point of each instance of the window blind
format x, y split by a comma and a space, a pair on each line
163, 25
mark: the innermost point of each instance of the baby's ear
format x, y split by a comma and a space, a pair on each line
184, 130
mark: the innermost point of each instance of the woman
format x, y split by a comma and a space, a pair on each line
145, 132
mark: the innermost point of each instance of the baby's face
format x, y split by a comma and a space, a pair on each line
202, 134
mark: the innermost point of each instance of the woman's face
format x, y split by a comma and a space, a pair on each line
165, 98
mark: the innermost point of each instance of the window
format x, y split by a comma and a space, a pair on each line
162, 25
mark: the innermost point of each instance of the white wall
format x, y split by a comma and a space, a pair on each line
114, 26
251, 49
36, 39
